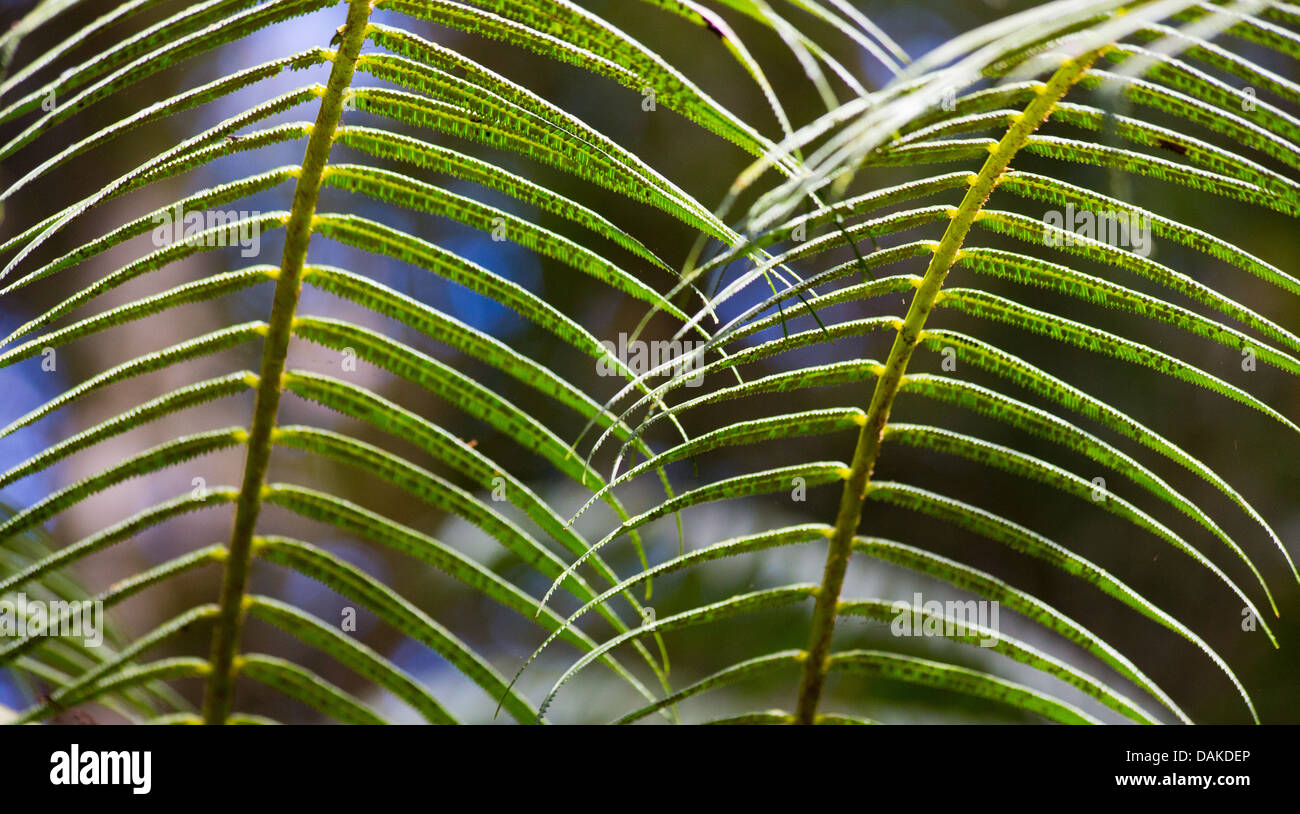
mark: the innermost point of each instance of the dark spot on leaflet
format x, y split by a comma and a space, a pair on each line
64, 715
717, 32
1166, 144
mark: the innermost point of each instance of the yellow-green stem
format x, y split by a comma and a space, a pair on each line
226, 632
857, 482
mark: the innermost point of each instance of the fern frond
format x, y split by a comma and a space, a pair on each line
475, 236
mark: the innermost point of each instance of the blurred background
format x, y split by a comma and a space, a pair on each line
1255, 455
